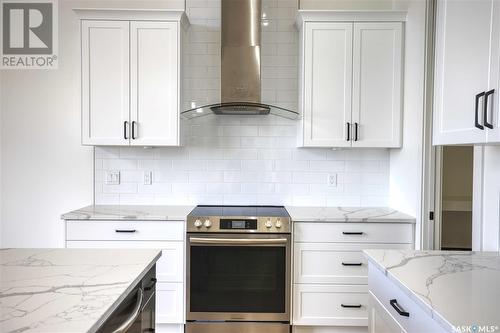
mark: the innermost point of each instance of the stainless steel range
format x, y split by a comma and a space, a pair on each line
238, 269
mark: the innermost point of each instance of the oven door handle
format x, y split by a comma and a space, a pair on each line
238, 241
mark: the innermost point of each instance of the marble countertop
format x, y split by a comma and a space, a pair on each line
348, 214
455, 288
130, 213
66, 290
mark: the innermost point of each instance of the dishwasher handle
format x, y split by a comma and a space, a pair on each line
134, 315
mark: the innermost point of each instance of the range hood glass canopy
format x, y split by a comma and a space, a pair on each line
240, 89
241, 109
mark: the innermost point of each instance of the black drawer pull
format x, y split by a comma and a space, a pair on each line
398, 308
352, 232
151, 285
125, 124
351, 306
352, 264
348, 132
356, 131
126, 230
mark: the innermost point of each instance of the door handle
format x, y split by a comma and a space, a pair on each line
477, 124
348, 131
351, 306
398, 308
125, 125
134, 124
486, 97
238, 241
125, 230
133, 316
356, 131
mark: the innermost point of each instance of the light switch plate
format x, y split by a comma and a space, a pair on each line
113, 177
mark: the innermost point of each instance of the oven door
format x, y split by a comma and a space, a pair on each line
238, 277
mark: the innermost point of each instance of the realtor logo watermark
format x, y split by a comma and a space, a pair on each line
28, 34
475, 329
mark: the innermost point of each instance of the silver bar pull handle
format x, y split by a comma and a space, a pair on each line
238, 241
133, 316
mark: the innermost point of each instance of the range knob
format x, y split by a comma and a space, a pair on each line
269, 224
278, 224
207, 223
198, 223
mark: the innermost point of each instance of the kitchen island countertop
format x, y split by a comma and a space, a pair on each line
457, 289
66, 290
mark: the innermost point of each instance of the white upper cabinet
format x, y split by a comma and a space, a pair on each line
154, 109
376, 102
131, 77
327, 84
105, 82
466, 74
350, 78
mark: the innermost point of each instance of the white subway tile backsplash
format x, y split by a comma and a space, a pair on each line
243, 159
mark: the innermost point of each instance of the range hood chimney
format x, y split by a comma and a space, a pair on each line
241, 38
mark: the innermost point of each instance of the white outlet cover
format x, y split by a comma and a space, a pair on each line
113, 177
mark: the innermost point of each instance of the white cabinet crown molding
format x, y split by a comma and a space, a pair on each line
133, 15
349, 16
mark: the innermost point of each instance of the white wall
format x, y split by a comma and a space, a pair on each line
44, 169
406, 163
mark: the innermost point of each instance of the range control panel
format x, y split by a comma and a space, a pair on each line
238, 224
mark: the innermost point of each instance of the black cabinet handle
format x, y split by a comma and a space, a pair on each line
134, 123
348, 131
356, 131
352, 264
486, 97
151, 285
477, 124
398, 308
351, 306
125, 125
352, 232
125, 230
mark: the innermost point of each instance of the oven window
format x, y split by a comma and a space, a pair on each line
238, 279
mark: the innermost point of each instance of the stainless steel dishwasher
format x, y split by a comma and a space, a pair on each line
136, 314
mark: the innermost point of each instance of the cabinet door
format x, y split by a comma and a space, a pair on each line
154, 98
493, 107
170, 303
377, 72
105, 82
327, 84
463, 41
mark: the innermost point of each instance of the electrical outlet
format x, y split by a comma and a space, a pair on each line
113, 177
332, 180
148, 177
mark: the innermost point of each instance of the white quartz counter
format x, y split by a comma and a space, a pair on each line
66, 290
458, 289
348, 214
130, 213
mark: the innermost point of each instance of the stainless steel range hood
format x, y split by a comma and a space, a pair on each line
241, 67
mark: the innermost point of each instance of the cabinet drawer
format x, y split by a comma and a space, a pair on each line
354, 232
169, 303
330, 305
125, 230
170, 266
385, 290
334, 262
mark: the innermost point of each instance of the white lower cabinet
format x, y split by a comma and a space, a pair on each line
330, 273
165, 235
